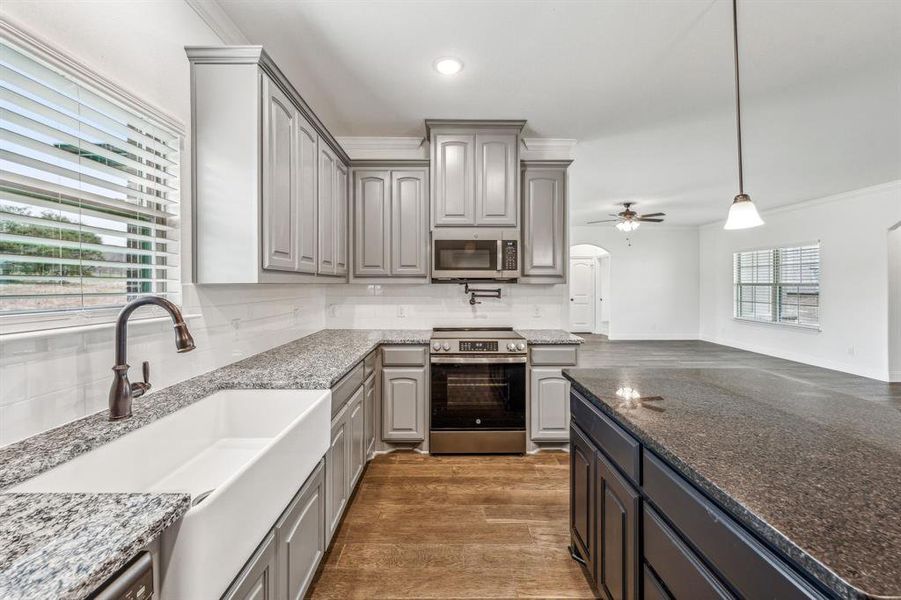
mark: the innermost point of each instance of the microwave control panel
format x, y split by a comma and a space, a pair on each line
510, 255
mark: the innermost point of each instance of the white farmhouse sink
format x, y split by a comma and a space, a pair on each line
252, 448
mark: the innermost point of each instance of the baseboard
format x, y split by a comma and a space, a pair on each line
652, 336
801, 357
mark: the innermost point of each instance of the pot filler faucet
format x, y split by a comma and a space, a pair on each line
122, 392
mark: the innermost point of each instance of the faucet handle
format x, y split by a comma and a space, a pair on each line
145, 370
139, 389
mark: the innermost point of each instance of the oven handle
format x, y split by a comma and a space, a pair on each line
500, 264
477, 360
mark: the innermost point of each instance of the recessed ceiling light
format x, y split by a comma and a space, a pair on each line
448, 65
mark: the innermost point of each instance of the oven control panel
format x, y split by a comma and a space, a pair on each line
478, 346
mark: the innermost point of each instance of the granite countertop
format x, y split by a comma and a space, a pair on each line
814, 472
549, 336
65, 545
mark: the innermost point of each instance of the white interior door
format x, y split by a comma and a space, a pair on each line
581, 295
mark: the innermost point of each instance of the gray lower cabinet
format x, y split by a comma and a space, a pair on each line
581, 495
337, 472
369, 399
391, 222
549, 404
544, 244
357, 427
403, 404
257, 580
300, 538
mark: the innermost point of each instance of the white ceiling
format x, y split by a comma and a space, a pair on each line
646, 86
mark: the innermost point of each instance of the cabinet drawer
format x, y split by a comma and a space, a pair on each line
653, 589
751, 569
369, 363
404, 356
344, 389
554, 356
679, 569
622, 448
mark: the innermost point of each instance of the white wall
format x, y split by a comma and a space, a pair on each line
49, 379
853, 232
653, 282
894, 306
444, 304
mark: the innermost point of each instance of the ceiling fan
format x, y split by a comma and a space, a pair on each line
629, 220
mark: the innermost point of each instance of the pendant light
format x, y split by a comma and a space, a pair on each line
742, 213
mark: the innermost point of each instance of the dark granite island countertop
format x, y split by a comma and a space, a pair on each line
814, 472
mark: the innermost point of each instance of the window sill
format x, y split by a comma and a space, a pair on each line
83, 328
811, 328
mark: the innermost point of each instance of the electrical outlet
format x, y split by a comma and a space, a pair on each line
332, 310
536, 312
851, 351
401, 311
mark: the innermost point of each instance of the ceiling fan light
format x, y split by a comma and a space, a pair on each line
627, 225
743, 214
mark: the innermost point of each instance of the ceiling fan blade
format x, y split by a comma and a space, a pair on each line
614, 215
646, 220
654, 215
602, 221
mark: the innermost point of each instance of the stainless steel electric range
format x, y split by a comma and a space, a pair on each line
478, 380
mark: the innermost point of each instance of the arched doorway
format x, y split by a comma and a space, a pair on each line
589, 289
894, 303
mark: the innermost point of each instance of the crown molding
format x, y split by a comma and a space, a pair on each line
547, 149
212, 13
385, 148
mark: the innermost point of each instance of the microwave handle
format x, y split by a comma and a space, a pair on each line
500, 263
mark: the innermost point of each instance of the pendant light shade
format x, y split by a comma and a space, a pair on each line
742, 214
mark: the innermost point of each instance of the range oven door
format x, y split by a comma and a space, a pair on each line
476, 393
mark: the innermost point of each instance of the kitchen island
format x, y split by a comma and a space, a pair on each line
756, 479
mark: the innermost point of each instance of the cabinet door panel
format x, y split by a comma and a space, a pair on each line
544, 227
410, 224
280, 218
328, 165
581, 494
372, 223
337, 470
454, 184
549, 394
341, 219
369, 414
307, 200
300, 538
357, 423
403, 404
616, 537
256, 581
497, 170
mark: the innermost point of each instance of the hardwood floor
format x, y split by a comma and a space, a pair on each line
456, 527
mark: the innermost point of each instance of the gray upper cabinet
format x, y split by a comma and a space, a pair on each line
409, 223
544, 221
391, 221
475, 172
328, 215
453, 162
497, 173
263, 166
341, 220
372, 223
280, 201
307, 196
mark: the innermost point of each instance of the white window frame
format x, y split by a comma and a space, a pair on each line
24, 323
775, 306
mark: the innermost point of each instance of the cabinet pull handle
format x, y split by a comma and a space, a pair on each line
575, 556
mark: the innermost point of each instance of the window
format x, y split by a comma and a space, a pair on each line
781, 285
88, 192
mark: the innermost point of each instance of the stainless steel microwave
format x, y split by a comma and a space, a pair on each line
475, 253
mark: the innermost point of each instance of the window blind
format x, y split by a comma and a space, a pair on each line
778, 285
88, 193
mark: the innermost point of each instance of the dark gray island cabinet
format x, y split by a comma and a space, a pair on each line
643, 531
